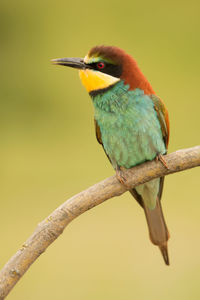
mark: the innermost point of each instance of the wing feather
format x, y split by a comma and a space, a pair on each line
163, 117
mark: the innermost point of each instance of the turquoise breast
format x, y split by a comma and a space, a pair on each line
130, 129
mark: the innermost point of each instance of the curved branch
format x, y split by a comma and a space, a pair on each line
49, 229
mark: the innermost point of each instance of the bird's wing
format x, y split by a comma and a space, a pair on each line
98, 136
98, 132
162, 117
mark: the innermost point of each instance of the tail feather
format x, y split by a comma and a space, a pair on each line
158, 231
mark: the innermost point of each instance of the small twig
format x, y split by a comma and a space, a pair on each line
49, 229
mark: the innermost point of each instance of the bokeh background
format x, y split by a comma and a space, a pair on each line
48, 150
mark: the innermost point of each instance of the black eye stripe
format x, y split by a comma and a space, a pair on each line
108, 68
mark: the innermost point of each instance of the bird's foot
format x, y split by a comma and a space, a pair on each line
160, 158
122, 178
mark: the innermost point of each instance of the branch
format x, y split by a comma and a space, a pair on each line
49, 229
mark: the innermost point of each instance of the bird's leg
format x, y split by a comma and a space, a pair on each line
121, 177
160, 158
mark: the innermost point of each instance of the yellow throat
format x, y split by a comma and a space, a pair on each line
96, 80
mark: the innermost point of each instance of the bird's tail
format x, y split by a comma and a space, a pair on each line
158, 231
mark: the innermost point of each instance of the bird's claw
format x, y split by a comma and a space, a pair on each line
160, 158
122, 179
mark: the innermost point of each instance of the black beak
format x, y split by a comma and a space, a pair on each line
73, 62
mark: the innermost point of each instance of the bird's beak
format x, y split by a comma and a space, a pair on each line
73, 62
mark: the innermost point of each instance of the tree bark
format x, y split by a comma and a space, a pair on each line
50, 228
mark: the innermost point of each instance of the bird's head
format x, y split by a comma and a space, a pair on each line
104, 66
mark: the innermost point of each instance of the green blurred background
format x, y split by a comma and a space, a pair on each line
48, 150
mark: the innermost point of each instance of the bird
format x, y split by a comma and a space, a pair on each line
131, 123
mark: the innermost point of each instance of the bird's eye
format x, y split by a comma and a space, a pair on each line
100, 65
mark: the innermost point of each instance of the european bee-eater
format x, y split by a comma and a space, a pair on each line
131, 124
